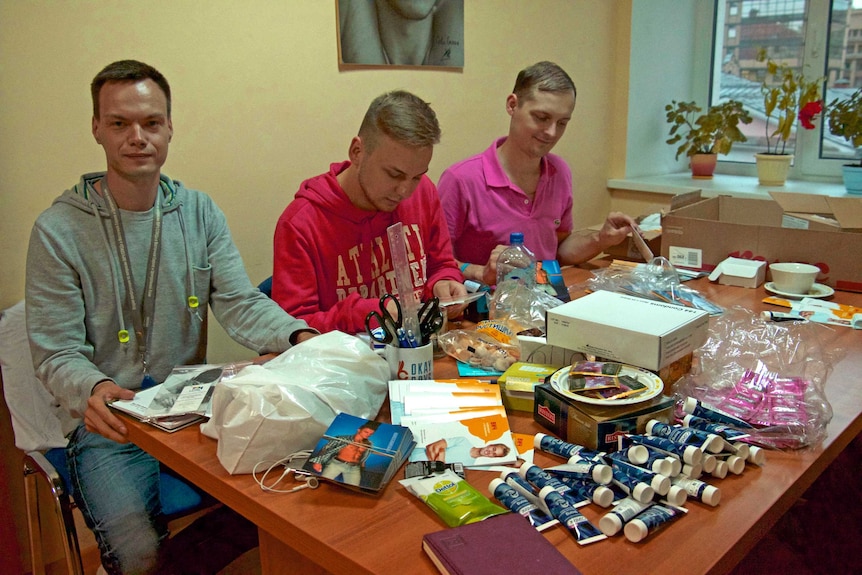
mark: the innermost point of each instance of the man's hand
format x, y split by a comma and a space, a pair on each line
489, 272
616, 228
449, 290
98, 417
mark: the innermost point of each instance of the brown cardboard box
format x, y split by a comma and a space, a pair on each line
628, 250
593, 426
702, 234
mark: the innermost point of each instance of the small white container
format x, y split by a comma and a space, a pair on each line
793, 278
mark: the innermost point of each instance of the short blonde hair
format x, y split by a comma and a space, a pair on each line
403, 117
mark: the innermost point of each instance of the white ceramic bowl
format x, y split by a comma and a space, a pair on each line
792, 277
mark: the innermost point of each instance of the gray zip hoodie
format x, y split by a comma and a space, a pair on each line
76, 298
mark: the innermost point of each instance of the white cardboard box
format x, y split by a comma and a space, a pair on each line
739, 272
641, 332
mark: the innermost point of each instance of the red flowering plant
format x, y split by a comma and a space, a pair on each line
788, 95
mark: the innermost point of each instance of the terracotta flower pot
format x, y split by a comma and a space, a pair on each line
772, 169
703, 166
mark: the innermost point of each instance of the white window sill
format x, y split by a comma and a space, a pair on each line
720, 184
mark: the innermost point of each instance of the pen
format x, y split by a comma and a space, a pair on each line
411, 339
402, 338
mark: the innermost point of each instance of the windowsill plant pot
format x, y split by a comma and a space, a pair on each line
703, 166
702, 137
845, 121
852, 178
772, 169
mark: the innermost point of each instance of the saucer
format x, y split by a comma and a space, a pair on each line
817, 291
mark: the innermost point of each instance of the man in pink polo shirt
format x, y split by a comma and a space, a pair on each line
517, 185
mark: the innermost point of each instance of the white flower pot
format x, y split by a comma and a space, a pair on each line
772, 169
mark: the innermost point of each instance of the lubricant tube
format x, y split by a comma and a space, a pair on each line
650, 520
699, 490
688, 453
636, 453
522, 486
564, 449
659, 483
579, 526
517, 503
612, 522
588, 489
708, 442
735, 463
729, 433
632, 487
583, 469
700, 409
540, 478
656, 460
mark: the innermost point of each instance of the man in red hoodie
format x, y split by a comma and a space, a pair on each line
332, 258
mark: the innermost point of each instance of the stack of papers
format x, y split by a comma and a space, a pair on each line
461, 421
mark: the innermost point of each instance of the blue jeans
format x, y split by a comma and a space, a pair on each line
116, 486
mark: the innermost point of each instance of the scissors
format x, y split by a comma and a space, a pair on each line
430, 318
388, 324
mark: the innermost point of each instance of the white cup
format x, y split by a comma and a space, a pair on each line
793, 278
410, 362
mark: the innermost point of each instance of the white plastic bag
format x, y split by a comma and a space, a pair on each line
266, 412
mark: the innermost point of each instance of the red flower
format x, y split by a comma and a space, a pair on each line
809, 112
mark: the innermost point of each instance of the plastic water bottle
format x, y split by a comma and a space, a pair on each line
517, 262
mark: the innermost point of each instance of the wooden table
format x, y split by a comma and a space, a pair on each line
332, 529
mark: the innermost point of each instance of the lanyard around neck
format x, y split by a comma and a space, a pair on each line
142, 316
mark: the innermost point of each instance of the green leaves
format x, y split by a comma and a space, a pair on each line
711, 133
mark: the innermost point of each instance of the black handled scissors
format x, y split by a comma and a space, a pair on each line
388, 324
430, 318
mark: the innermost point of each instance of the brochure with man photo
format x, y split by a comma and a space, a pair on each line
359, 453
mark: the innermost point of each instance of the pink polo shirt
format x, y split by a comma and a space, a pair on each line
482, 206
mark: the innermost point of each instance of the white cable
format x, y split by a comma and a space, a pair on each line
308, 481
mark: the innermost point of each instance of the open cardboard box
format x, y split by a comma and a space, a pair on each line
820, 230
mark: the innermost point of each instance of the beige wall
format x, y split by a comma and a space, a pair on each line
260, 104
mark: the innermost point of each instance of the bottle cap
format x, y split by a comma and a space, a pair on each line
602, 474
635, 530
610, 524
643, 493
516, 238
602, 496
720, 470
638, 454
676, 495
660, 484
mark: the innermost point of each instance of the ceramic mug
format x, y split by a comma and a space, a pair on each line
410, 362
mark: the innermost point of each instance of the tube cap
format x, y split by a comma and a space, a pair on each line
692, 471
537, 439
676, 466
676, 495
756, 455
650, 425
714, 443
610, 524
663, 466
602, 474
708, 462
720, 470
660, 484
638, 454
741, 449
495, 483
643, 493
711, 495
735, 464
690, 405
636, 530
692, 454
602, 496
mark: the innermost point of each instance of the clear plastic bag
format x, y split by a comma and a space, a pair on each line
266, 412
492, 345
521, 304
772, 375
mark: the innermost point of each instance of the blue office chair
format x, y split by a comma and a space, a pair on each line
265, 287
32, 416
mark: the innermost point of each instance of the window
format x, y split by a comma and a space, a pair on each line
820, 37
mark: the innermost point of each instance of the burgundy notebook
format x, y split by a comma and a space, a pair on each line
500, 544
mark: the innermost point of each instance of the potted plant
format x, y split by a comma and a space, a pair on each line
789, 96
702, 137
845, 121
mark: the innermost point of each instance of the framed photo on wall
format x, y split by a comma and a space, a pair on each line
404, 33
